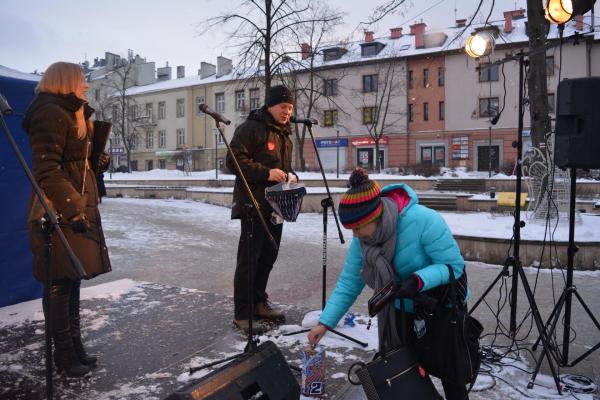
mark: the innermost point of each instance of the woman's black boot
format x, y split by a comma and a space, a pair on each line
75, 322
65, 357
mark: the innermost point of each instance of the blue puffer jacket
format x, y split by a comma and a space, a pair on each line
424, 245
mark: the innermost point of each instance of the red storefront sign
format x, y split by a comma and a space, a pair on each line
368, 141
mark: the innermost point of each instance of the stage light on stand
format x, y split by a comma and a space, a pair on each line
479, 44
562, 11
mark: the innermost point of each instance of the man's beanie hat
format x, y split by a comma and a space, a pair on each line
280, 94
361, 204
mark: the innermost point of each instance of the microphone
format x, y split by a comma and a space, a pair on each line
4, 106
218, 117
305, 121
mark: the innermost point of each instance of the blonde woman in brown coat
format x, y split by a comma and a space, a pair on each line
65, 163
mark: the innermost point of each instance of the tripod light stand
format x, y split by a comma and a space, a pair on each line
514, 261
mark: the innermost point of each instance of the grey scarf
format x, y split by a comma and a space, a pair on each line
378, 270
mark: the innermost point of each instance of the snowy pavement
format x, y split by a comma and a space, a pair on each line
186, 244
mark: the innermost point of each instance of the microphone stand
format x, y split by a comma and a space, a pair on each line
249, 210
49, 225
325, 204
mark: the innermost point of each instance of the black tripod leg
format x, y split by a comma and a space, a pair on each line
539, 324
363, 344
47, 229
555, 311
502, 273
595, 321
554, 320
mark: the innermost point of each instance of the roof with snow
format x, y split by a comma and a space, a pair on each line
439, 41
13, 73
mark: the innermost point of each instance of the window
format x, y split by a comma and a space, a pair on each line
115, 113
330, 117
180, 108
488, 107
199, 101
180, 137
116, 140
149, 111
134, 165
411, 112
134, 142
162, 139
441, 76
425, 111
162, 110
410, 79
162, 164
133, 112
240, 100
149, 165
442, 110
149, 140
550, 65
333, 54
551, 108
254, 99
369, 115
426, 77
330, 86
369, 83
488, 73
371, 49
220, 102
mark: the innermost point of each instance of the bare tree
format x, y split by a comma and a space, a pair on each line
382, 108
261, 32
304, 75
121, 108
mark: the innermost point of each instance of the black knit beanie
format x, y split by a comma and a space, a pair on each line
280, 94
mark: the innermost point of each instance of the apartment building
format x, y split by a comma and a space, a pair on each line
441, 107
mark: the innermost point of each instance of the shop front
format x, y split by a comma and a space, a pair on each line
364, 152
332, 152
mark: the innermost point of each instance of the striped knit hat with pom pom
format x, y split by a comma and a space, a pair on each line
361, 204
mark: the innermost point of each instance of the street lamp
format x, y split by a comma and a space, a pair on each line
216, 132
110, 169
337, 147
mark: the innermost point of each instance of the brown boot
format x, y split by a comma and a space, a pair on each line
264, 310
258, 327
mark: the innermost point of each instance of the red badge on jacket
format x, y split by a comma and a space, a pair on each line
270, 146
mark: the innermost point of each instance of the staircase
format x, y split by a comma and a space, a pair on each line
460, 185
440, 202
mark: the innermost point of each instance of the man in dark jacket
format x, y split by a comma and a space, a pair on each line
263, 149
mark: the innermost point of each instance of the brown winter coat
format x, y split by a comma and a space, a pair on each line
58, 165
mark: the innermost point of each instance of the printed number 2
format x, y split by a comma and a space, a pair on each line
316, 388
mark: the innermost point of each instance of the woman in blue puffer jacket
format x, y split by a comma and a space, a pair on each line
395, 238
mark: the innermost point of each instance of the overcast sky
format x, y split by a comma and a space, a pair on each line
35, 33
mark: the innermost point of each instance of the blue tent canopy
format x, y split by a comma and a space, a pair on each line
16, 280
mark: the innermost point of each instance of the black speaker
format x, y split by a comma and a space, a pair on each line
577, 141
262, 374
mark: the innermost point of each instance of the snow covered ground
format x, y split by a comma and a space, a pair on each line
191, 245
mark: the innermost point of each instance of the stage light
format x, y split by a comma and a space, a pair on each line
479, 44
562, 11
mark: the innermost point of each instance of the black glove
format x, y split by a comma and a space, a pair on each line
408, 287
80, 224
101, 163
